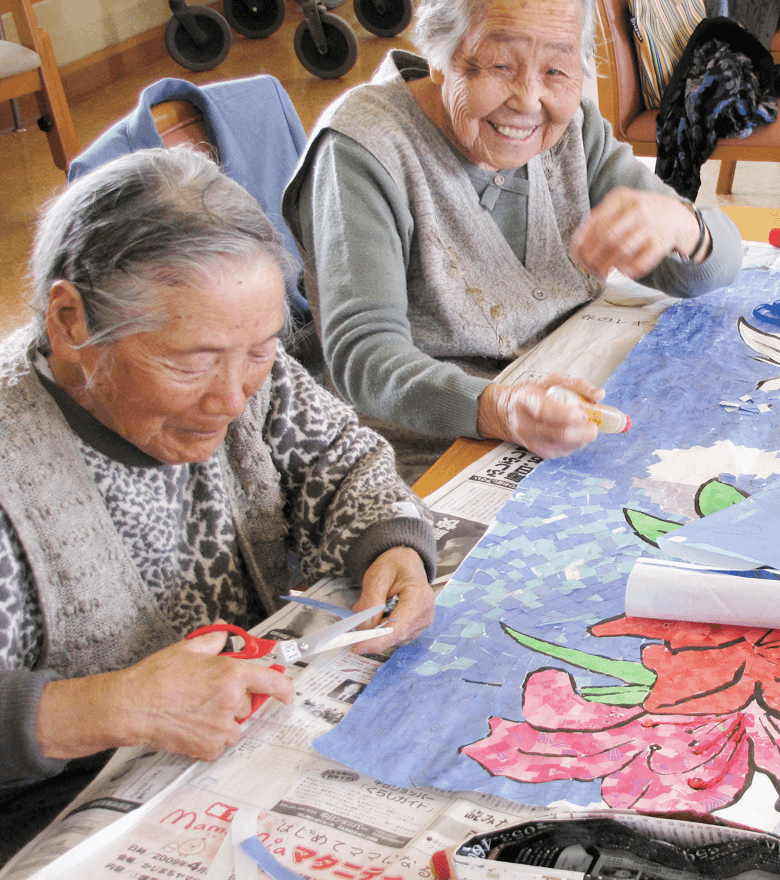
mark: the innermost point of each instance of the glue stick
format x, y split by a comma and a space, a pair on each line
608, 419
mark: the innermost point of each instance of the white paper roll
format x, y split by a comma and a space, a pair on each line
679, 591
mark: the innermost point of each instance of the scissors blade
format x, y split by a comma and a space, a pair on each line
352, 638
323, 639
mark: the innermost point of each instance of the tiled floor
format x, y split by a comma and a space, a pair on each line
29, 178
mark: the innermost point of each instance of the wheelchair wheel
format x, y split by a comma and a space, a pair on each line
341, 43
199, 55
385, 18
255, 19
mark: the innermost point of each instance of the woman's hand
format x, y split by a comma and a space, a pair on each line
184, 699
397, 572
524, 414
632, 231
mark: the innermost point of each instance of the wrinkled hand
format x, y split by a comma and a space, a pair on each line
524, 414
191, 700
397, 572
632, 231
184, 699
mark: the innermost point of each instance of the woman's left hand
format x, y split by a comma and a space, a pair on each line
397, 572
632, 231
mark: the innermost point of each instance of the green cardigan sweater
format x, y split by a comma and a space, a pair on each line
396, 239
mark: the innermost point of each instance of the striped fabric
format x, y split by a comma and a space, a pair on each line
662, 29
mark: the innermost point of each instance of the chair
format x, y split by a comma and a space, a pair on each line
180, 122
620, 101
258, 137
251, 125
29, 67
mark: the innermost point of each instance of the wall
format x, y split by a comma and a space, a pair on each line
97, 41
79, 28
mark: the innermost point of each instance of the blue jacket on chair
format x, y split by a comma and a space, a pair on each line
251, 122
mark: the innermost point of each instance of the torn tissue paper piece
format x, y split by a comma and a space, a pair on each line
759, 401
741, 536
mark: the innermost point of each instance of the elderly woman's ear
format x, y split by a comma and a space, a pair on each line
66, 322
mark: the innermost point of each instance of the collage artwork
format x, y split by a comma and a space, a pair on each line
532, 684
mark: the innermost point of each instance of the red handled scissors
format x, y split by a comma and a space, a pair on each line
290, 651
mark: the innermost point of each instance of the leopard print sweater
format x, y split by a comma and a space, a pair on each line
197, 543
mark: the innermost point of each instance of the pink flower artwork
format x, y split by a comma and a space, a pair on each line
690, 725
691, 740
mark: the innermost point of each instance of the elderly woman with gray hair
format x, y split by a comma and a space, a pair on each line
162, 457
460, 206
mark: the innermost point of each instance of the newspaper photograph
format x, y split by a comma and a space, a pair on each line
615, 844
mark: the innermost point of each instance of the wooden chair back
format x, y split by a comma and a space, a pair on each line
619, 87
620, 101
43, 81
180, 122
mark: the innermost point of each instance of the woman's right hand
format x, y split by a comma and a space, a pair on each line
623, 232
185, 699
524, 414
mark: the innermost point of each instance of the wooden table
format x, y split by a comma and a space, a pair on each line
754, 224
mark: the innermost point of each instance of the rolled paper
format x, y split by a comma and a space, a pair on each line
665, 590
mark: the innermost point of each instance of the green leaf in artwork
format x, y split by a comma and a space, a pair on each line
622, 695
715, 495
648, 527
625, 670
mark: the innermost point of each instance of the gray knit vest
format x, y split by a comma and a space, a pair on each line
98, 613
469, 295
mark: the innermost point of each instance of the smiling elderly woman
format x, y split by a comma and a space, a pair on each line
459, 207
162, 455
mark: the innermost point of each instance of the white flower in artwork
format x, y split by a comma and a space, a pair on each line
673, 480
698, 464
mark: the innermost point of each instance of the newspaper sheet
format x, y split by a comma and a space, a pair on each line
137, 778
315, 817
150, 815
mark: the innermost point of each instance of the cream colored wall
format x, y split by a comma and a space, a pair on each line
80, 27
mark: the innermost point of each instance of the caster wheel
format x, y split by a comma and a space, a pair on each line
385, 18
342, 48
186, 51
45, 123
328, 4
255, 19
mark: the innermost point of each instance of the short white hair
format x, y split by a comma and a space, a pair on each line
442, 25
147, 220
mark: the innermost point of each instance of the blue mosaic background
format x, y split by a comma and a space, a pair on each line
557, 560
